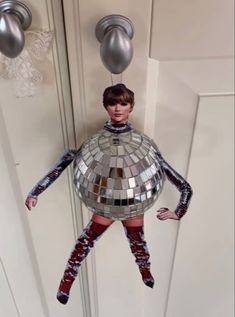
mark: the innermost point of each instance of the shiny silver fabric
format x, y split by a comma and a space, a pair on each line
117, 175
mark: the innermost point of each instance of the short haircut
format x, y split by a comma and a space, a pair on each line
118, 93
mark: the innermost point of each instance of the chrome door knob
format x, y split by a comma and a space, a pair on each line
15, 17
115, 33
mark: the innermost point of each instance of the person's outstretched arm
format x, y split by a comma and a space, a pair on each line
50, 177
181, 184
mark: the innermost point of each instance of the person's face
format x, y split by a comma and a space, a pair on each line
119, 111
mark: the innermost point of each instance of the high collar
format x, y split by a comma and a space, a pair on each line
117, 128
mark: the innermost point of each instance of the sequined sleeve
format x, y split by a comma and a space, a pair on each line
54, 173
181, 184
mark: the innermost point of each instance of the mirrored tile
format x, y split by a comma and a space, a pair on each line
105, 160
137, 199
103, 191
109, 193
82, 189
110, 201
128, 160
139, 154
81, 178
143, 150
93, 146
105, 171
117, 202
121, 150
116, 140
138, 180
142, 189
113, 161
112, 173
91, 176
106, 133
149, 194
137, 190
116, 194
148, 172
119, 162
131, 201
134, 158
93, 165
123, 194
144, 177
86, 156
89, 160
143, 197
97, 179
103, 200
98, 169
134, 146
120, 173
95, 151
127, 172
130, 193
147, 160
113, 150
154, 191
145, 164
106, 209
118, 183
77, 173
128, 148
85, 183
126, 209
125, 183
96, 189
105, 146
132, 183
102, 140
90, 187
104, 181
98, 156
153, 169
125, 139
110, 183
124, 202
134, 170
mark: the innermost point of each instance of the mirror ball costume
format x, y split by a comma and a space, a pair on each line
118, 173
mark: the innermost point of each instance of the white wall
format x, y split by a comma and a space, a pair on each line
34, 132
172, 120
203, 275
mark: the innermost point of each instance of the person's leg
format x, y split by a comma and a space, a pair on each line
134, 229
85, 242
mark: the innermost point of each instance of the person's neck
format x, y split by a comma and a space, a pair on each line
116, 123
118, 127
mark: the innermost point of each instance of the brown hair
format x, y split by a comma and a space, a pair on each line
118, 93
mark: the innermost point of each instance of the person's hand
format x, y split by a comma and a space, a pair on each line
30, 202
165, 213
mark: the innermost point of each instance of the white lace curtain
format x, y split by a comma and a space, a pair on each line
22, 70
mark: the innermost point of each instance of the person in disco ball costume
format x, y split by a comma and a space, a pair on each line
118, 173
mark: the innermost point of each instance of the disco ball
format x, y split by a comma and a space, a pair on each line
117, 175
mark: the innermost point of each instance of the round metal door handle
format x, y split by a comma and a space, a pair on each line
115, 32
15, 17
